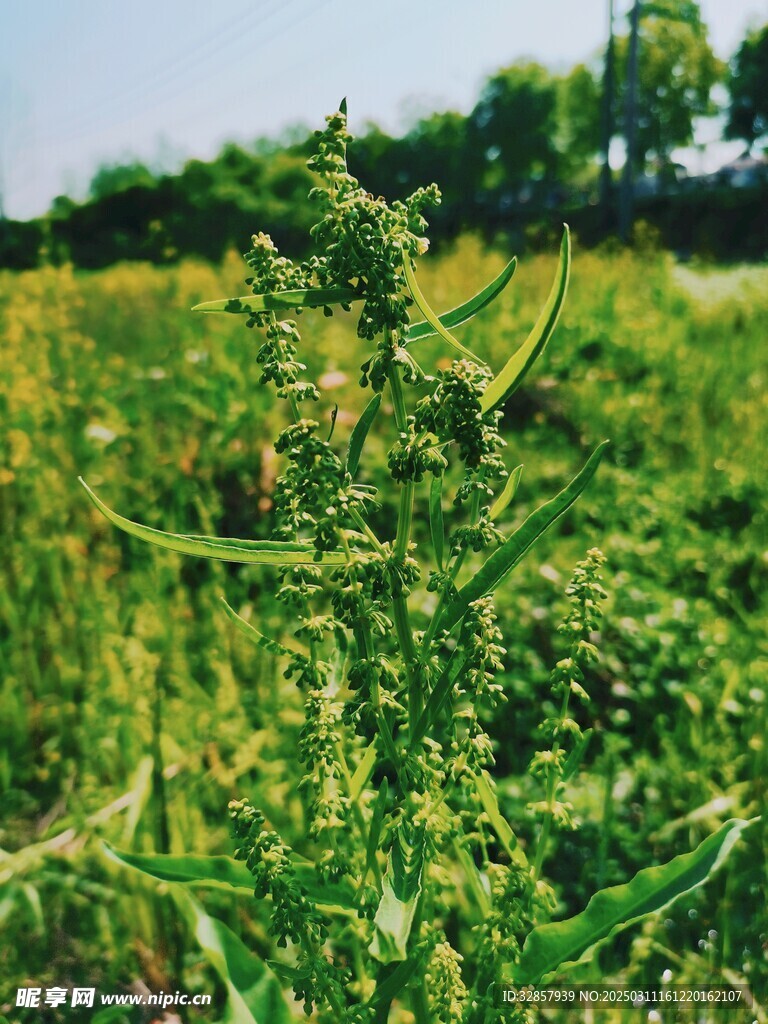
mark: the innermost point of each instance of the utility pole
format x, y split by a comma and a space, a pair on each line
607, 125
626, 198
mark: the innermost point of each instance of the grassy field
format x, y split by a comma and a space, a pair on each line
129, 712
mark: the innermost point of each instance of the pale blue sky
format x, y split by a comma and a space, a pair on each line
90, 81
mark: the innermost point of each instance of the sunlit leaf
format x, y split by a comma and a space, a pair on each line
510, 378
254, 635
360, 433
363, 772
508, 494
429, 313
275, 301
461, 314
254, 995
439, 694
553, 947
500, 824
221, 870
265, 552
436, 525
505, 558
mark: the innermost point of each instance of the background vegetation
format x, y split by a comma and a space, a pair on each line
530, 154
124, 690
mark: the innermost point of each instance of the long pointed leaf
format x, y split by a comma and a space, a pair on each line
279, 300
551, 947
509, 492
363, 772
254, 993
436, 524
264, 552
500, 824
254, 635
429, 313
460, 315
439, 694
510, 378
505, 558
360, 433
219, 870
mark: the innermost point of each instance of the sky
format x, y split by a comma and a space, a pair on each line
88, 82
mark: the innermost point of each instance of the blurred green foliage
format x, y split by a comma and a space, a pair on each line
131, 711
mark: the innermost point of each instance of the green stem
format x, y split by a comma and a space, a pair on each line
402, 541
553, 778
453, 573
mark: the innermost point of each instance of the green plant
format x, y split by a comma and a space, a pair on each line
418, 890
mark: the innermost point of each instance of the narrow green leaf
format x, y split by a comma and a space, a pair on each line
360, 433
330, 896
254, 635
510, 378
553, 947
374, 830
429, 314
439, 694
401, 890
505, 558
460, 315
436, 524
264, 552
279, 300
363, 772
508, 494
186, 868
393, 980
498, 821
217, 871
477, 881
254, 995
576, 756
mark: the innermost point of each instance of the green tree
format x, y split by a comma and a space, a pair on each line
748, 88
513, 127
677, 70
112, 178
578, 119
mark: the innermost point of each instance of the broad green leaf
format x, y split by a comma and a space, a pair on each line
359, 434
498, 821
221, 870
436, 525
401, 889
279, 300
510, 378
254, 995
460, 315
505, 558
439, 694
363, 772
429, 314
264, 552
552, 947
254, 635
508, 494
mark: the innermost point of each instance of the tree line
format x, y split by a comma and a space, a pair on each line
534, 142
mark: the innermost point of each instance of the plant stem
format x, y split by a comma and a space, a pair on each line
402, 540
